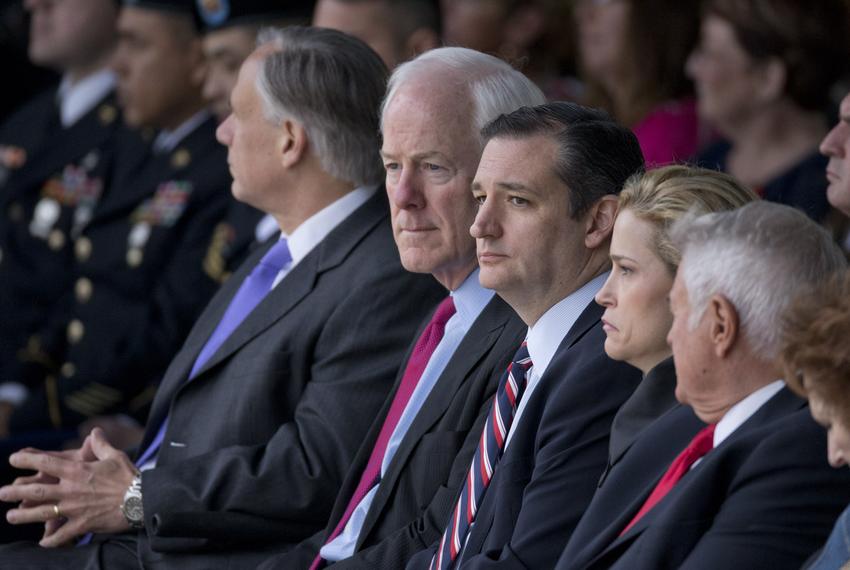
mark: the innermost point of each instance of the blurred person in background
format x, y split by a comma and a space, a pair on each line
29, 79
229, 36
644, 261
632, 58
136, 251
817, 366
397, 30
763, 71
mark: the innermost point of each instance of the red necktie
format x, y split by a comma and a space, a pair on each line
419, 358
701, 444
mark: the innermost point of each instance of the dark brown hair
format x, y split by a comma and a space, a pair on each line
809, 38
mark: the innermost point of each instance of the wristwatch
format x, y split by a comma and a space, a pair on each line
132, 505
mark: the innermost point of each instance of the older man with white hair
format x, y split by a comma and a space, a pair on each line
753, 488
414, 459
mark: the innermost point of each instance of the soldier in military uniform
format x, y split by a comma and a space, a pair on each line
55, 158
230, 35
139, 282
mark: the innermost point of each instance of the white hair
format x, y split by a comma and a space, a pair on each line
490, 84
758, 257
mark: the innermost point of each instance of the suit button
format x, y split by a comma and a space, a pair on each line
68, 369
82, 249
76, 330
83, 289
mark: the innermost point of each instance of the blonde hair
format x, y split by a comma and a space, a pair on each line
664, 195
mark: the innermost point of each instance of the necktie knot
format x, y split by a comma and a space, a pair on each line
278, 256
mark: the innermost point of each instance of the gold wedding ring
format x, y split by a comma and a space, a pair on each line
57, 511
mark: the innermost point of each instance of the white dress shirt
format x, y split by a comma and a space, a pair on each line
314, 229
545, 336
75, 100
742, 411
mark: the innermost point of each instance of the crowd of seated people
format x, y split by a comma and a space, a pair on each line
388, 284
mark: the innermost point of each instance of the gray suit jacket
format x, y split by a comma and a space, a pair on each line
259, 441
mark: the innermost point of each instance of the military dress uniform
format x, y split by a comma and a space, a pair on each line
51, 178
232, 240
138, 285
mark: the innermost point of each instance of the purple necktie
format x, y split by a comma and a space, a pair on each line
425, 347
255, 287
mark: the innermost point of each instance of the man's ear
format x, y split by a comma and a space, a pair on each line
725, 325
293, 143
600, 221
420, 41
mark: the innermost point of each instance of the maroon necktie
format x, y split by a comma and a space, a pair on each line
419, 358
701, 444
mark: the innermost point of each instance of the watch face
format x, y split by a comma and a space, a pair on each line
133, 509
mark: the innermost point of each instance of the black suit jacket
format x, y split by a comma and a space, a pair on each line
549, 471
258, 442
764, 498
430, 464
654, 397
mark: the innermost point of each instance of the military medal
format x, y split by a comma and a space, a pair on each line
45, 215
136, 241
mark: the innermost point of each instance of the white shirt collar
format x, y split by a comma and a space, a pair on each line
75, 100
743, 410
545, 336
166, 141
313, 230
471, 298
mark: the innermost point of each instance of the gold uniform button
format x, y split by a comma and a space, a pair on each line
56, 240
76, 330
68, 369
83, 289
82, 249
134, 257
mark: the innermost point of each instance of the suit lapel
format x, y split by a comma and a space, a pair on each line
301, 281
475, 346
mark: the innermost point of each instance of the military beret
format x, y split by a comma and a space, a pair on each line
216, 14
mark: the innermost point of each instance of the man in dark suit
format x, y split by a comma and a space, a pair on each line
753, 489
260, 414
428, 177
546, 188
55, 155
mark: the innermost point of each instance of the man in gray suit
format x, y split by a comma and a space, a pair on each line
260, 414
432, 115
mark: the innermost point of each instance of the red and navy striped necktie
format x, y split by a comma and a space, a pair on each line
490, 447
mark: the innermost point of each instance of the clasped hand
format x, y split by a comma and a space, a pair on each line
72, 492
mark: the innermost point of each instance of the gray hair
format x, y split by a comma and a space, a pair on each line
759, 257
492, 86
330, 83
